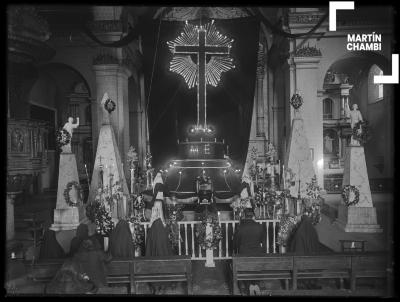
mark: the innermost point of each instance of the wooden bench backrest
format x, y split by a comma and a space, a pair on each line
174, 265
119, 267
250, 264
369, 262
329, 262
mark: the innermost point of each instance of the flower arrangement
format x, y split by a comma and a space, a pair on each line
208, 242
109, 105
314, 212
286, 226
102, 219
62, 138
350, 195
361, 132
68, 189
138, 231
312, 189
296, 101
174, 214
239, 205
109, 196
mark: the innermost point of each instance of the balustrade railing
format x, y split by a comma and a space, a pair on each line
189, 245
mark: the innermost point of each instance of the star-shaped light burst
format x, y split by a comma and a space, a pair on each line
219, 61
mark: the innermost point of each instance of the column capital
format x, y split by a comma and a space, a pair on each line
310, 62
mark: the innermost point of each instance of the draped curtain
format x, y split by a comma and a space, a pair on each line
172, 106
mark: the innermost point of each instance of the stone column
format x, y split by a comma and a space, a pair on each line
344, 99
311, 111
112, 68
113, 79
10, 215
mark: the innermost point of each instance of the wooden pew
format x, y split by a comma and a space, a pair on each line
268, 267
163, 269
328, 266
370, 265
120, 271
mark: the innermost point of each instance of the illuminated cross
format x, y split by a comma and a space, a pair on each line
201, 41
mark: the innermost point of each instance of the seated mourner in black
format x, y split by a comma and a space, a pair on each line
304, 241
249, 240
121, 244
250, 236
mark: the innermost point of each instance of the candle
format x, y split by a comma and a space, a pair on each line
218, 216
132, 176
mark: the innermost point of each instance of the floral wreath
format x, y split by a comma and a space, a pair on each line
364, 136
296, 101
346, 195
209, 243
63, 137
68, 189
286, 226
109, 105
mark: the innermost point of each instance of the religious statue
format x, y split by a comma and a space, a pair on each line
328, 144
355, 117
69, 127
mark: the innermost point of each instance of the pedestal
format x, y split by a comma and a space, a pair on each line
65, 216
362, 216
209, 252
358, 219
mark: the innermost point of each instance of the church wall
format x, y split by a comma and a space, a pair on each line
43, 92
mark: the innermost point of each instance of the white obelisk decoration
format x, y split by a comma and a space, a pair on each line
298, 158
209, 252
67, 217
108, 163
362, 216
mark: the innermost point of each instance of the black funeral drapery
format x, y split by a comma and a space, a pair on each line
172, 106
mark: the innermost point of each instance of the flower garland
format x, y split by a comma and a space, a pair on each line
109, 105
286, 226
350, 195
138, 231
296, 101
62, 138
205, 241
68, 189
361, 132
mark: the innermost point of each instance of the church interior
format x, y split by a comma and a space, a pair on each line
228, 109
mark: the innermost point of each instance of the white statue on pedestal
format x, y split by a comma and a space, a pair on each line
69, 127
355, 117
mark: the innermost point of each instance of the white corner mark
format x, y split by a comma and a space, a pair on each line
333, 7
390, 79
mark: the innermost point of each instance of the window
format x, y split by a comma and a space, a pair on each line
375, 91
327, 105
